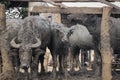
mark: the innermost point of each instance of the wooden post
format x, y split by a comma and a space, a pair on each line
57, 17
105, 45
28, 8
0, 64
2, 16
7, 69
2, 24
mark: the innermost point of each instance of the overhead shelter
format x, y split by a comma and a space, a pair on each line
76, 10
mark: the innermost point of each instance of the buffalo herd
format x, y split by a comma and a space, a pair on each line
28, 38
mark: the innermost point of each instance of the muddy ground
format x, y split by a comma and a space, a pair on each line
72, 76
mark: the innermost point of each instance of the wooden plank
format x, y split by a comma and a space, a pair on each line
2, 16
61, 0
56, 17
73, 10
105, 45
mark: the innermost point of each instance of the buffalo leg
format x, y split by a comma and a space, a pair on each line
38, 54
82, 58
42, 63
83, 52
97, 62
26, 74
65, 66
61, 68
72, 60
34, 67
54, 64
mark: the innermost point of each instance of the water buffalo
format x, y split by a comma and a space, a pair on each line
93, 24
32, 39
34, 36
60, 47
78, 38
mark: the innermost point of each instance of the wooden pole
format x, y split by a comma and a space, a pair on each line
28, 8
105, 45
2, 23
7, 69
2, 16
56, 17
0, 64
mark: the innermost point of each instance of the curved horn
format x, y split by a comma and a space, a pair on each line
36, 44
13, 43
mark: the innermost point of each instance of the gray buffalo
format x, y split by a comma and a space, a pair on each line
80, 38
93, 24
32, 39
76, 37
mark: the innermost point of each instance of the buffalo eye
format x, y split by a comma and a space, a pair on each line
70, 32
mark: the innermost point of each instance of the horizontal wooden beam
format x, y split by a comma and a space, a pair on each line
73, 10
61, 0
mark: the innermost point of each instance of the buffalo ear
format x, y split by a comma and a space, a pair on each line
70, 32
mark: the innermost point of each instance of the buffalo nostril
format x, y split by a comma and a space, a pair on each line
24, 66
64, 40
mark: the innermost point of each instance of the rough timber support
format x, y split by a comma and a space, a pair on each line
2, 23
2, 16
105, 45
72, 10
7, 69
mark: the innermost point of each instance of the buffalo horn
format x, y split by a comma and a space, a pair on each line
36, 44
13, 43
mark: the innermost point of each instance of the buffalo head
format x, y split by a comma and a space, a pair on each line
60, 31
25, 51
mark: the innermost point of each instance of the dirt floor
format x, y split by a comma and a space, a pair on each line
89, 75
74, 76
48, 76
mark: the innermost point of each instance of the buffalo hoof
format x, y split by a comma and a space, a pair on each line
42, 72
35, 79
72, 72
61, 72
